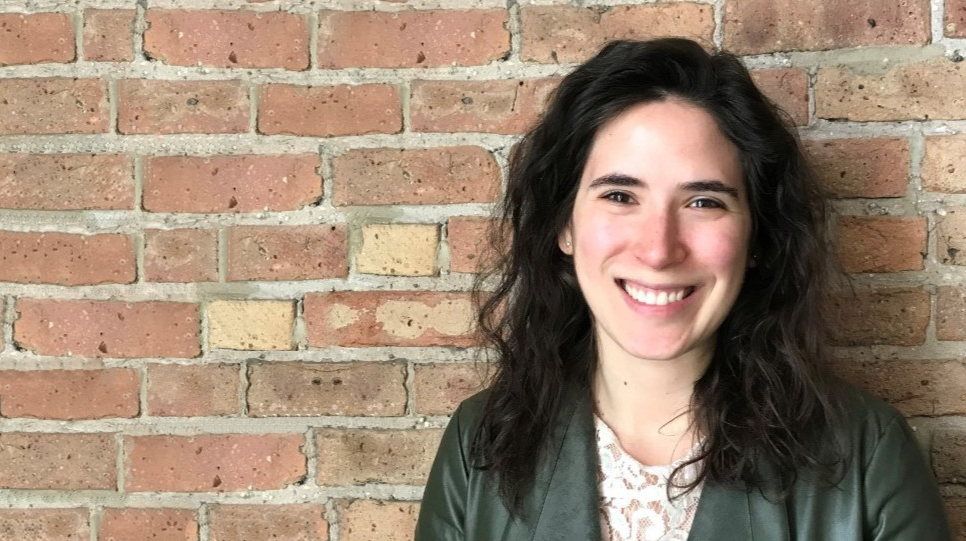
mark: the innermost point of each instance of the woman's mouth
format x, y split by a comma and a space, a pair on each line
655, 297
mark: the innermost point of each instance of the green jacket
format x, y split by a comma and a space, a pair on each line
887, 494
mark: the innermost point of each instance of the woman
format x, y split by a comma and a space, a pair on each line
659, 341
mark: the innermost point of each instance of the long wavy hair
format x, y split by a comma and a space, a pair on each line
764, 394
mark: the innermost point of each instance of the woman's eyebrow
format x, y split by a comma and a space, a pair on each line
627, 181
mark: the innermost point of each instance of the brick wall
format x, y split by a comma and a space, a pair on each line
236, 240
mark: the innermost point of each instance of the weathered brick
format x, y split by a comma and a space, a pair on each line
45, 524
36, 38
467, 237
951, 238
918, 91
358, 388
951, 313
213, 463
109, 35
324, 111
389, 318
227, 39
955, 27
301, 252
66, 259
916, 387
66, 182
876, 167
58, 461
499, 106
251, 325
108, 328
192, 390
889, 316
440, 387
69, 394
944, 165
53, 105
574, 34
357, 456
154, 524
763, 26
363, 520
148, 106
949, 455
409, 39
387, 176
398, 249
288, 522
956, 510
788, 88
881, 243
180, 255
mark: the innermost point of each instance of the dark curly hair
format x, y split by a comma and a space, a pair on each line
764, 394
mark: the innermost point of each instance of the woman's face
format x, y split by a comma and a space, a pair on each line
660, 232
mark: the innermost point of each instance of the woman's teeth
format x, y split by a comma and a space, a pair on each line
655, 298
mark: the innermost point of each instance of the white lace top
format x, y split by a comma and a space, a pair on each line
633, 497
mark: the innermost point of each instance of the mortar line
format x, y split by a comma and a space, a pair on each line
6, 320
299, 336
119, 462
332, 515
253, 109
311, 459
937, 17
409, 383
515, 27
94, 519
244, 385
204, 522
313, 21
405, 91
113, 106
719, 16
143, 391
139, 248
78, 20
140, 26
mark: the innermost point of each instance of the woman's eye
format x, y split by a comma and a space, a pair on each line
618, 197
705, 203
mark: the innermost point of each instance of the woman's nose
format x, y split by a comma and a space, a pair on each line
659, 243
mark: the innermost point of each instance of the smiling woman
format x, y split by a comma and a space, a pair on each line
660, 352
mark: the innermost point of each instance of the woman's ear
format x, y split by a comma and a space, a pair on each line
565, 241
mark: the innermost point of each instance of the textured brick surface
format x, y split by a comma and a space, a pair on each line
889, 316
185, 390
956, 510
109, 35
951, 313
35, 38
573, 34
324, 111
949, 455
363, 520
58, 461
152, 524
916, 387
182, 106
180, 255
66, 182
289, 522
467, 237
303, 252
881, 243
375, 318
45, 524
66, 259
440, 387
873, 167
951, 237
69, 394
53, 105
108, 328
358, 388
356, 457
955, 27
415, 176
213, 463
424, 38
227, 39
788, 88
398, 249
251, 325
231, 183
498, 106
944, 165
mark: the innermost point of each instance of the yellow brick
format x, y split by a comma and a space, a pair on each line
398, 249
251, 325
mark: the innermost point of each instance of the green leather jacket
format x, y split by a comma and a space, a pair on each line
888, 494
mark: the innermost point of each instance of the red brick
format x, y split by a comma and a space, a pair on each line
949, 456
153, 524
574, 34
324, 111
302, 252
69, 394
877, 167
213, 463
53, 105
881, 243
467, 237
440, 387
358, 388
109, 35
500, 106
918, 91
36, 38
58, 461
364, 520
410, 39
227, 39
788, 88
66, 259
916, 387
890, 316
951, 237
289, 522
356, 456
955, 27
46, 524
951, 313
192, 390
66, 182
231, 183
944, 165
387, 176
180, 255
389, 318
147, 106
763, 26
108, 328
